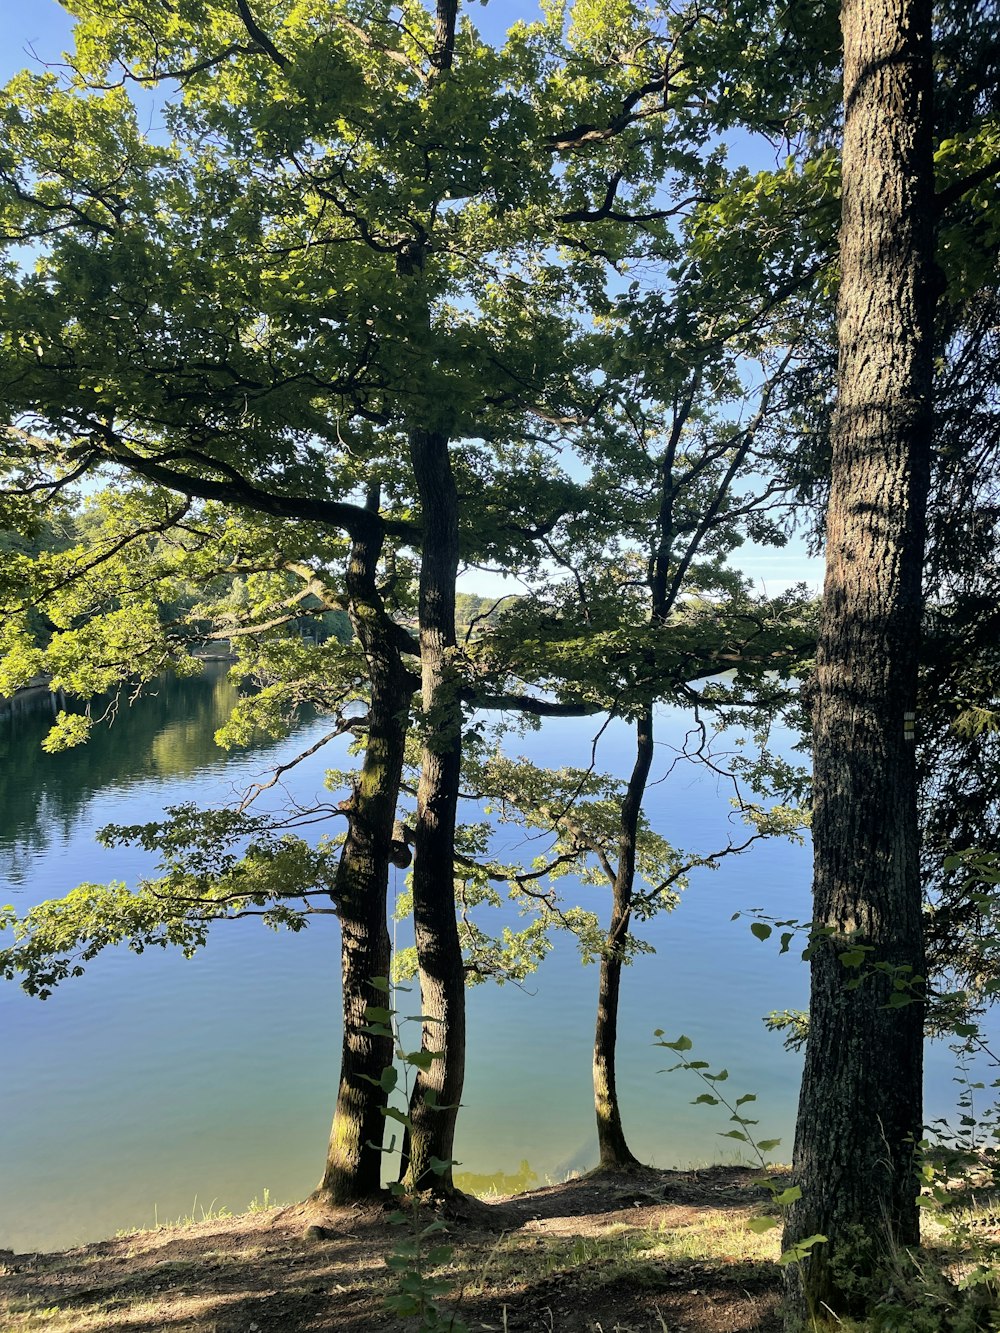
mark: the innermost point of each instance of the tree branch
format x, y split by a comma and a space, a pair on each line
236, 489
526, 703
260, 36
953, 192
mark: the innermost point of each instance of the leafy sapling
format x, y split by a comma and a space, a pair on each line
417, 1293
782, 1196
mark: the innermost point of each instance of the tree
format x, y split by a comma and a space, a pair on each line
860, 1106
364, 254
120, 608
958, 740
353, 1164
647, 616
312, 285
959, 706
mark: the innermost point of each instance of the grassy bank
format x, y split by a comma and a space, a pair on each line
658, 1251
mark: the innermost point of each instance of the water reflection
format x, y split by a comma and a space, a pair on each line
165, 735
151, 1080
497, 1182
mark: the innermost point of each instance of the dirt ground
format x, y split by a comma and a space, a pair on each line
637, 1253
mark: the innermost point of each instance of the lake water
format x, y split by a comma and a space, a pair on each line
155, 1087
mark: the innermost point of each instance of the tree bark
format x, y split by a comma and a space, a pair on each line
354, 1157
860, 1104
439, 951
437, 1089
615, 1152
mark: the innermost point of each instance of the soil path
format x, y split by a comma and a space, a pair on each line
638, 1253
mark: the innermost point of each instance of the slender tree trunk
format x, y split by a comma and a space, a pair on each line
615, 1152
354, 1158
860, 1106
439, 951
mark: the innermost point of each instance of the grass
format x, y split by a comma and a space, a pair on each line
192, 1283
199, 1213
618, 1251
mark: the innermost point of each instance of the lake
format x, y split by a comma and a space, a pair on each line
156, 1087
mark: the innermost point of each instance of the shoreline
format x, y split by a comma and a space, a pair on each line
26, 698
635, 1250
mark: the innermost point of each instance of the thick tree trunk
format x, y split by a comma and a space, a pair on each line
439, 951
615, 1152
354, 1158
860, 1107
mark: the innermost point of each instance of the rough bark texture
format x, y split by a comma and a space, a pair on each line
615, 1152
354, 1160
431, 1133
439, 951
860, 1107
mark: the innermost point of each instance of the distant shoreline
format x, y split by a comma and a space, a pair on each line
38, 685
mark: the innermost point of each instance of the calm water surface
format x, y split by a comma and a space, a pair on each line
156, 1086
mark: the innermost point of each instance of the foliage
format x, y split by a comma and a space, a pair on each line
422, 1249
782, 1195
543, 252
217, 864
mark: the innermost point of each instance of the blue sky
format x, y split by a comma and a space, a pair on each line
45, 27
26, 25
41, 29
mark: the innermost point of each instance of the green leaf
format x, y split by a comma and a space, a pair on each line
706, 1099
681, 1044
761, 929
787, 1196
800, 1250
758, 1225
422, 1059
768, 1145
853, 957
375, 1013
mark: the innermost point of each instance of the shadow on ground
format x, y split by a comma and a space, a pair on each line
609, 1253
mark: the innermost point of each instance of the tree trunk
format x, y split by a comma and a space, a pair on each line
354, 1157
439, 951
615, 1152
860, 1106
437, 1090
